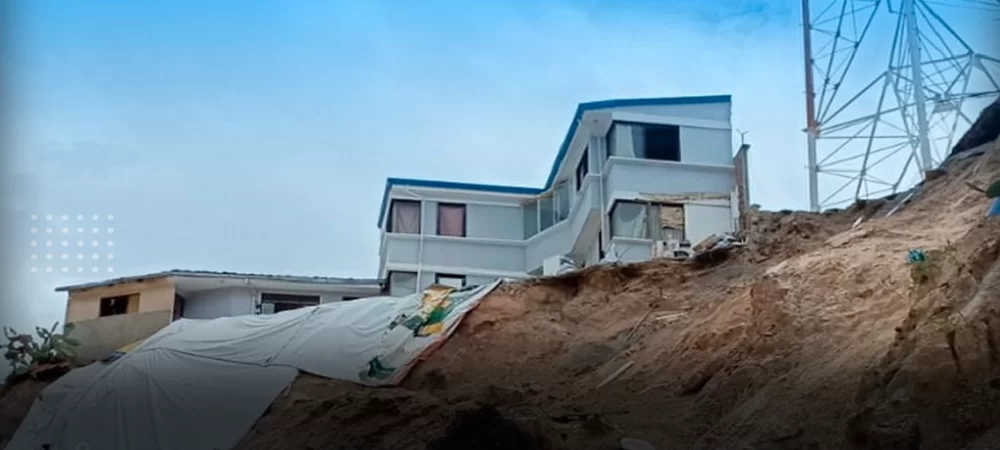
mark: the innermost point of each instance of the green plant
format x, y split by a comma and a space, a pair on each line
26, 356
926, 265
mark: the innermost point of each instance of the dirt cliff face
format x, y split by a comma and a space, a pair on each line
817, 335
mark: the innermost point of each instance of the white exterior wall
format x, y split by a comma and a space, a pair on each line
706, 146
702, 221
631, 250
215, 303
495, 247
237, 301
705, 111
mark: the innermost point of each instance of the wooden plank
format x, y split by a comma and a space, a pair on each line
615, 375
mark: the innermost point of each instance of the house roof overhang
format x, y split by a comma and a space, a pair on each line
574, 126
351, 283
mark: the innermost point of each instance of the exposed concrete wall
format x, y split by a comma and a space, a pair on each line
154, 295
742, 181
100, 337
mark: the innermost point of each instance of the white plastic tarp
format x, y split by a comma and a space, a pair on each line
201, 385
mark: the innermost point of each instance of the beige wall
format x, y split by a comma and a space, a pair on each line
99, 337
154, 295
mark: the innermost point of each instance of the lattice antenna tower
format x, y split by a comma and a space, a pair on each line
883, 138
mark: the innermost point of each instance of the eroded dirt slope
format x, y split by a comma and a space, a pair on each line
816, 336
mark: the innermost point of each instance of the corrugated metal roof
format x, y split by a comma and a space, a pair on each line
230, 275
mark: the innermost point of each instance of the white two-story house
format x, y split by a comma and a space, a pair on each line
629, 173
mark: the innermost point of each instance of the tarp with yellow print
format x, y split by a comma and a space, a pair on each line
168, 391
122, 351
412, 336
373, 341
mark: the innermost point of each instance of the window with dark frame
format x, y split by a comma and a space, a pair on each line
455, 281
288, 302
648, 141
179, 302
662, 142
629, 220
451, 220
582, 169
114, 306
404, 217
656, 221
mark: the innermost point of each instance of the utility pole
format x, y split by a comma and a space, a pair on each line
873, 138
812, 127
909, 12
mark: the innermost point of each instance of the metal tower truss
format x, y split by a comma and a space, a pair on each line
903, 121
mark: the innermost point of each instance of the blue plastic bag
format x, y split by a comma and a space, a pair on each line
994, 208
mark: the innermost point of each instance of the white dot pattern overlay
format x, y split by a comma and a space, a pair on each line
82, 230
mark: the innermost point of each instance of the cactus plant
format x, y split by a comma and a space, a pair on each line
27, 357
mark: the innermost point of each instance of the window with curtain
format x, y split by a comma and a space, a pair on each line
546, 212
562, 197
404, 217
451, 220
530, 211
638, 138
629, 220
621, 140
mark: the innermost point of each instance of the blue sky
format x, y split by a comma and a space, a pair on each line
257, 135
